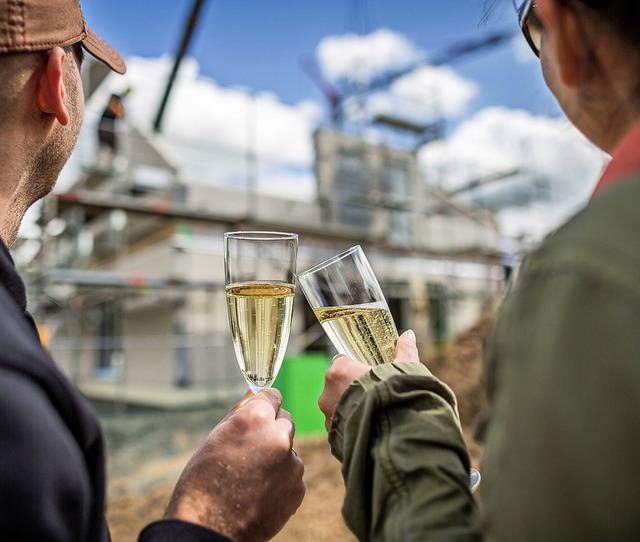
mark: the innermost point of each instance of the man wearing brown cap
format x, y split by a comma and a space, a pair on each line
244, 481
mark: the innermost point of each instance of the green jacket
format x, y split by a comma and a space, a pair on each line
563, 379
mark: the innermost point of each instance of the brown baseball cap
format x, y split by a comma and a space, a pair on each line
39, 25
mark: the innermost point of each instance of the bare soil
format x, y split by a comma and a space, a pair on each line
147, 451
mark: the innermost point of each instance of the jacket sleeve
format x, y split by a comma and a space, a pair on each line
171, 530
404, 462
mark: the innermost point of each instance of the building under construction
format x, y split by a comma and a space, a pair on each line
129, 279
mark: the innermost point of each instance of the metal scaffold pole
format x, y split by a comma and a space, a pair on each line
182, 49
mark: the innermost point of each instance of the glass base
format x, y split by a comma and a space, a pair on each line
474, 480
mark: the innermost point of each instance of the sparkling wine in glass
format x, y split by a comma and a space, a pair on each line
260, 288
347, 300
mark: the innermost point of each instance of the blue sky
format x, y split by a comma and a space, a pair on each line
261, 43
245, 59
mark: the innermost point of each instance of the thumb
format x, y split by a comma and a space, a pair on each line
406, 349
271, 396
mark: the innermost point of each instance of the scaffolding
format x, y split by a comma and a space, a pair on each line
128, 287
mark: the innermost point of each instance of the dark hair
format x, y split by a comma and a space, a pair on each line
621, 16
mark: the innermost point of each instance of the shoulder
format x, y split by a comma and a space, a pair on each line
610, 219
600, 243
43, 468
30, 422
578, 293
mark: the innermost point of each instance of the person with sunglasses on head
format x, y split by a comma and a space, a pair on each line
562, 361
243, 482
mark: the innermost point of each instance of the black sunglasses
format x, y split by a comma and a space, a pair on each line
530, 24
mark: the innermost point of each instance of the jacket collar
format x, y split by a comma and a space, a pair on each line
10, 279
625, 160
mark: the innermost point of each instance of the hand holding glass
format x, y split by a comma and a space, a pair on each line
349, 304
260, 287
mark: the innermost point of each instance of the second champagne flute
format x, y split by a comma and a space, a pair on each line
260, 272
349, 304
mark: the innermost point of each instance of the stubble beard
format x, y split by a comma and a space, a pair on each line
46, 162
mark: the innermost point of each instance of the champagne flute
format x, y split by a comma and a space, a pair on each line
347, 300
349, 304
260, 288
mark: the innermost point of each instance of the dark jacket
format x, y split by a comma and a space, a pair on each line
52, 469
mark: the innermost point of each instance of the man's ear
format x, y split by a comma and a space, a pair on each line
562, 34
51, 88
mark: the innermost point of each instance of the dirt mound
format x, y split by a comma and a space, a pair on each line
140, 490
459, 364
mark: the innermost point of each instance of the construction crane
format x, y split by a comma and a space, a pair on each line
336, 98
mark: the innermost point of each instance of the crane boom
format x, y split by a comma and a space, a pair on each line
450, 54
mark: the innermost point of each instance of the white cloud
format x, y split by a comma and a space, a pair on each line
360, 58
426, 95
208, 128
200, 110
441, 87
558, 166
423, 95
